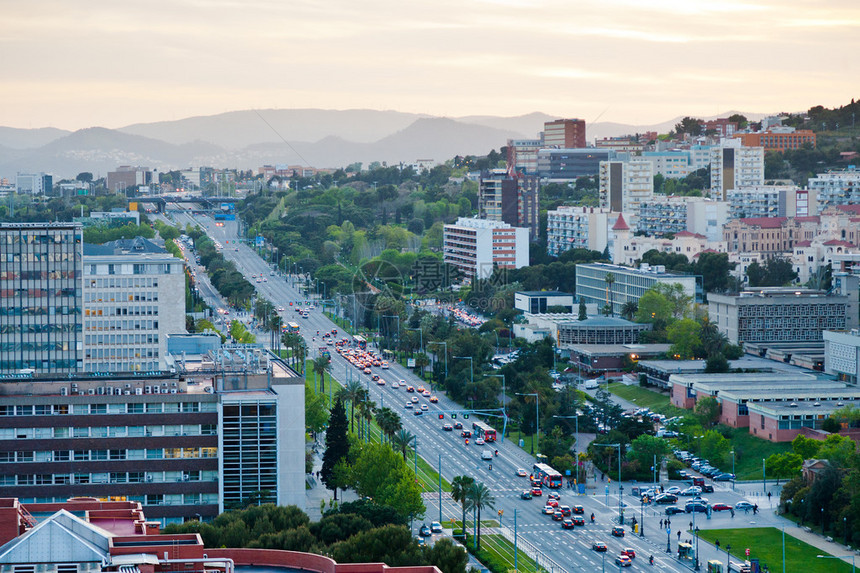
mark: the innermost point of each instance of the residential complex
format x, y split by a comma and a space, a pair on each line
627, 284
578, 228
771, 201
733, 166
41, 318
836, 187
523, 155
624, 185
842, 355
666, 214
673, 164
476, 246
509, 199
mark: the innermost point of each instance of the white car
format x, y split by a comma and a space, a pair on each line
480, 441
692, 490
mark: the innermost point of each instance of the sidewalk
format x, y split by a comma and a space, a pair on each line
319, 494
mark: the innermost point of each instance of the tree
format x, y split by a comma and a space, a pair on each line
393, 545
84, 177
316, 413
448, 556
629, 309
739, 119
403, 441
353, 392
582, 311
831, 425
708, 411
336, 446
422, 361
610, 280
716, 364
382, 475
645, 448
684, 336
713, 446
321, 365
715, 270
389, 422
774, 272
460, 486
786, 465
653, 308
690, 126
480, 498
806, 448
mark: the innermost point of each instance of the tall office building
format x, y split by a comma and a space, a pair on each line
625, 184
34, 184
509, 199
564, 133
734, 166
41, 293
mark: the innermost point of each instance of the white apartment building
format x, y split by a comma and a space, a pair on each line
771, 201
475, 246
625, 184
673, 164
707, 217
578, 228
733, 166
665, 214
33, 183
700, 157
134, 295
808, 257
836, 187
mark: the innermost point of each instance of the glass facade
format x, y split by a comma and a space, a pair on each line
249, 452
41, 297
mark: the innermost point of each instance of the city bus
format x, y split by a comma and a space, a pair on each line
547, 476
292, 327
360, 341
482, 430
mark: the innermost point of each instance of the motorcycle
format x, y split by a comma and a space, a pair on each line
497, 452
651, 560
592, 518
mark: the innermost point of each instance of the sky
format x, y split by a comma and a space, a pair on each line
74, 64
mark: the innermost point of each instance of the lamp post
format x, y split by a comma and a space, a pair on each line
537, 419
668, 541
504, 398
398, 330
733, 470
620, 487
696, 532
728, 556
642, 518
839, 557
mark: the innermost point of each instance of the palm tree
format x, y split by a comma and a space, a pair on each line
389, 422
480, 498
459, 488
402, 441
353, 392
366, 409
629, 309
321, 364
609, 278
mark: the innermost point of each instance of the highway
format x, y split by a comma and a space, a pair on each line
571, 549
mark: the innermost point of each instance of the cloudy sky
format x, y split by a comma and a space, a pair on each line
75, 64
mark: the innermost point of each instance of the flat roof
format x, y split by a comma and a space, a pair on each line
789, 394
740, 379
615, 349
823, 409
543, 293
631, 270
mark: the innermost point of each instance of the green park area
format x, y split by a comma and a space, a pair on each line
766, 544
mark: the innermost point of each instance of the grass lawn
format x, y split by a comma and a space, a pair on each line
765, 543
749, 452
640, 396
515, 435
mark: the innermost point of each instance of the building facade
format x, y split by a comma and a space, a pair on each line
34, 184
842, 355
564, 133
771, 201
41, 283
127, 177
670, 164
778, 138
476, 246
134, 296
578, 228
624, 185
627, 284
509, 199
565, 165
523, 155
836, 187
734, 166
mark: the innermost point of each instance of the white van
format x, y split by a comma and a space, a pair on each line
592, 384
487, 455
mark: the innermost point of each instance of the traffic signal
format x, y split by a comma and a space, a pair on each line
454, 416
441, 416
466, 416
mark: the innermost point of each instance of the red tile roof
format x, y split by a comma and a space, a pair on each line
837, 242
620, 224
689, 234
765, 222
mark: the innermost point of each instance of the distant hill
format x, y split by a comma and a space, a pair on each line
16, 138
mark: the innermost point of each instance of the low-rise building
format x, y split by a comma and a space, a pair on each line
778, 138
627, 284
836, 187
537, 302
476, 246
599, 330
611, 359
842, 354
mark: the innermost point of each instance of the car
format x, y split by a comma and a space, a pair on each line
385, 364
410, 389
683, 474
724, 477
526, 495
623, 561
414, 399
617, 531
480, 441
552, 502
465, 433
375, 377
522, 473
565, 509
707, 488
696, 506
487, 455
434, 399
721, 507
425, 531
675, 490
537, 492
436, 527
743, 506
578, 520
447, 427
557, 516
578, 510
567, 524
666, 498
424, 407
548, 510
421, 390
366, 370
458, 425
673, 509
379, 382
628, 551
691, 491
417, 412
395, 384
553, 495
426, 393
408, 405
598, 546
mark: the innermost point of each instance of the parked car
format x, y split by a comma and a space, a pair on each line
666, 498
691, 491
675, 490
724, 477
696, 506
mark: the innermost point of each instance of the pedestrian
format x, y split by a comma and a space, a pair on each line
755, 509
661, 489
691, 525
768, 497
679, 536
668, 523
733, 512
661, 524
717, 543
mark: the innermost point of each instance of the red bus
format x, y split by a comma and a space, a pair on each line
360, 341
482, 430
547, 476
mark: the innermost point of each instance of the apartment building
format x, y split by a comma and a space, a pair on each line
623, 144
771, 201
183, 446
512, 199
476, 246
782, 315
523, 155
733, 166
836, 187
41, 318
624, 185
566, 165
630, 248
778, 138
578, 228
842, 355
673, 164
627, 284
564, 133
134, 296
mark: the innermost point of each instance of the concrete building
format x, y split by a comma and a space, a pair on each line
674, 164
836, 187
523, 155
181, 445
599, 330
475, 246
41, 317
537, 302
771, 201
578, 228
622, 144
665, 214
783, 315
564, 133
624, 185
134, 296
128, 177
734, 166
810, 258
610, 359
630, 248
566, 165
509, 199
628, 284
707, 217
842, 355
34, 184
778, 138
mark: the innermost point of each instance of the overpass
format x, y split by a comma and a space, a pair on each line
160, 201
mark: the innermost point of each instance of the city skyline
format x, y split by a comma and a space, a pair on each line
127, 63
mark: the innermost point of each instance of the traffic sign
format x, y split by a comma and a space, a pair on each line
747, 551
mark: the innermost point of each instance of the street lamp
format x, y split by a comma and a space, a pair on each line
696, 532
733, 470
839, 557
504, 398
537, 419
668, 542
620, 487
728, 556
642, 518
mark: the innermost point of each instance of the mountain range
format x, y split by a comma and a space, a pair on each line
252, 138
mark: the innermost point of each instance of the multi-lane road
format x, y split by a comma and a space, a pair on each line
572, 549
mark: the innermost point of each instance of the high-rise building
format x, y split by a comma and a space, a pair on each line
41, 291
734, 166
476, 246
578, 228
134, 296
625, 184
34, 184
509, 199
523, 154
564, 133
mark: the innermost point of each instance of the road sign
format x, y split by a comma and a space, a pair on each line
747, 551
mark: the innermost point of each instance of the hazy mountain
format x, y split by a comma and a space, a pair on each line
17, 138
528, 126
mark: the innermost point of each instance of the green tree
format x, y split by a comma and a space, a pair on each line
381, 474
582, 311
629, 309
389, 422
715, 270
353, 392
690, 126
774, 272
786, 465
393, 545
480, 498
610, 280
715, 447
316, 413
336, 445
806, 448
684, 336
403, 441
653, 308
716, 364
448, 556
460, 486
708, 411
321, 365
645, 448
